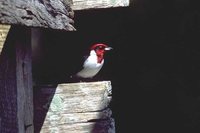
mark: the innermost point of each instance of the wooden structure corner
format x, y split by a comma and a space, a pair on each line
68, 107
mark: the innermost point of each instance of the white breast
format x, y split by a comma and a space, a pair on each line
90, 67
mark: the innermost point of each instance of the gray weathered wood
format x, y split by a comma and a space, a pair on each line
16, 103
103, 126
95, 4
8, 91
77, 97
55, 14
24, 80
74, 107
70, 118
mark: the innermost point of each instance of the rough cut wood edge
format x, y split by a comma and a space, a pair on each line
55, 14
95, 4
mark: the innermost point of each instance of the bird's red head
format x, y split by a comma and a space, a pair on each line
100, 49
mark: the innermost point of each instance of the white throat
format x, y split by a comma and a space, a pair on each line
91, 66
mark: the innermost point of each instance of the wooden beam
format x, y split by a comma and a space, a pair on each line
24, 80
96, 4
74, 108
102, 126
16, 100
55, 14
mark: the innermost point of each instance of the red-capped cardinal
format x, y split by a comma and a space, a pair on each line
94, 62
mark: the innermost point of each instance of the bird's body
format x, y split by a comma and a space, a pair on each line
90, 67
93, 63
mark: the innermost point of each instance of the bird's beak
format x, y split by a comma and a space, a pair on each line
108, 48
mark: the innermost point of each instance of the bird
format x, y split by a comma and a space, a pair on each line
92, 63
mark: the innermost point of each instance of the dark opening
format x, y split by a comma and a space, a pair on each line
154, 66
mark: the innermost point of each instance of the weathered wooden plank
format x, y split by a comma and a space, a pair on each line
16, 104
55, 119
55, 14
103, 126
24, 80
85, 88
79, 104
81, 97
74, 107
95, 4
8, 91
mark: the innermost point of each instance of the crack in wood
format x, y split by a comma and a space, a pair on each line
29, 12
27, 126
27, 18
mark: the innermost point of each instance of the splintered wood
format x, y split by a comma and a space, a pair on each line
74, 108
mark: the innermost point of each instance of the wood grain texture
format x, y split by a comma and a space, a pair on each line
24, 80
70, 118
55, 14
8, 91
74, 107
95, 4
16, 103
104, 126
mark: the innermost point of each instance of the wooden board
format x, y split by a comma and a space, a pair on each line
103, 126
74, 107
16, 96
55, 14
95, 4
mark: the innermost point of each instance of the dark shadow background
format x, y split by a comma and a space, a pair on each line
154, 67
